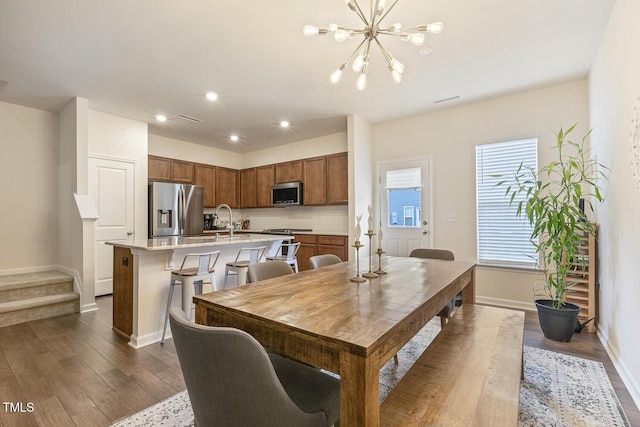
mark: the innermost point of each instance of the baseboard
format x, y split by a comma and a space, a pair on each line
148, 339
632, 386
88, 308
26, 270
505, 303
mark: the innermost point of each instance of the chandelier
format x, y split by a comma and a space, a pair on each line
372, 29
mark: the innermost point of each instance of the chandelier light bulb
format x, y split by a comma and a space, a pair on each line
416, 38
435, 27
381, 5
397, 77
397, 65
397, 27
362, 82
333, 27
335, 76
310, 30
341, 35
358, 63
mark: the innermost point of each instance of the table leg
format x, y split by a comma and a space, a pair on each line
201, 314
359, 391
469, 291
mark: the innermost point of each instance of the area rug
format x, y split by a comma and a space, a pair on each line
557, 390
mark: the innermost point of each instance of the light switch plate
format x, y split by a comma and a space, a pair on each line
451, 217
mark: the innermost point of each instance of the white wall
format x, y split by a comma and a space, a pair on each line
182, 150
29, 185
361, 179
123, 139
451, 135
614, 90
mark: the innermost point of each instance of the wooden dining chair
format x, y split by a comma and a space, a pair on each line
232, 381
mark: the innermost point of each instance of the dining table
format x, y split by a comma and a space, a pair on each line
325, 319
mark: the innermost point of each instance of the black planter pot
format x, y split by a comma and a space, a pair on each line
557, 324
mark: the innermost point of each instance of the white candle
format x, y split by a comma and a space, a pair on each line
358, 231
380, 238
370, 219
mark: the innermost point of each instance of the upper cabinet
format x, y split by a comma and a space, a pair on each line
265, 178
228, 186
315, 181
248, 188
164, 169
205, 175
289, 172
337, 179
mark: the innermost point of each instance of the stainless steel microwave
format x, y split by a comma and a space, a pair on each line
289, 194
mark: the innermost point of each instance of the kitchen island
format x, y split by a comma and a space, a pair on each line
142, 272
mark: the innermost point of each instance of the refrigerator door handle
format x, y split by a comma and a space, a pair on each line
181, 209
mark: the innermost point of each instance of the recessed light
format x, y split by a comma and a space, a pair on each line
212, 96
234, 138
161, 118
284, 124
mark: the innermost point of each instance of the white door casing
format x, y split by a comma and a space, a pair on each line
111, 185
412, 228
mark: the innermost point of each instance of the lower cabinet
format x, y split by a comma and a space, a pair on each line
318, 244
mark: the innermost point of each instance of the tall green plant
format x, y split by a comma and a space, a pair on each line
552, 207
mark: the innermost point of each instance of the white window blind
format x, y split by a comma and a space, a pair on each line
503, 238
404, 178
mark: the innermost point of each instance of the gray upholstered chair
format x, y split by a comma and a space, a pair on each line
318, 261
233, 381
445, 255
268, 270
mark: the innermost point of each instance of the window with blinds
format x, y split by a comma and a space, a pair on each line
503, 238
404, 197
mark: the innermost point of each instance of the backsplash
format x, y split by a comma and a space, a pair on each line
321, 219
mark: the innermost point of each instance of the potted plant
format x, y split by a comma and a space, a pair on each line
552, 199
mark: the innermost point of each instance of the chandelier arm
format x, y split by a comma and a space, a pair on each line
385, 53
356, 9
355, 51
386, 13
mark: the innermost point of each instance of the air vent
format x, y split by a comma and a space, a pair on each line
451, 98
190, 119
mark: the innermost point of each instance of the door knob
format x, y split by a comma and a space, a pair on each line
129, 233
425, 231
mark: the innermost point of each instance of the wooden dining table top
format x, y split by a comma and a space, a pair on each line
325, 304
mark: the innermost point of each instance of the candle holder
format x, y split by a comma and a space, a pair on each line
380, 271
357, 277
370, 274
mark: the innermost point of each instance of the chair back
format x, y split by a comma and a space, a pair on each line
443, 254
318, 261
291, 249
230, 378
268, 270
205, 261
253, 255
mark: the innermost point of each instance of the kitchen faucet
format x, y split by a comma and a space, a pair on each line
224, 205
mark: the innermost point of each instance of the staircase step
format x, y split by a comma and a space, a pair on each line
32, 285
35, 296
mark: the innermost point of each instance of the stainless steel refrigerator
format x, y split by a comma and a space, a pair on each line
175, 209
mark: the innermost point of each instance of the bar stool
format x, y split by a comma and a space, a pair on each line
191, 279
240, 266
287, 253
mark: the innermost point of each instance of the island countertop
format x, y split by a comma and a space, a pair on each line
174, 242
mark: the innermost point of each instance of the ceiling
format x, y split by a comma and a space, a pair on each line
141, 58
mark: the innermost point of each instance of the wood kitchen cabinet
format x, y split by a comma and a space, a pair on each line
337, 179
205, 175
122, 291
314, 177
289, 172
314, 244
248, 196
228, 187
265, 178
172, 170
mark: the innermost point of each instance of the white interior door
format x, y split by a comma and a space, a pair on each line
405, 205
111, 185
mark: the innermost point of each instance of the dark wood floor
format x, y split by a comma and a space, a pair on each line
76, 372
